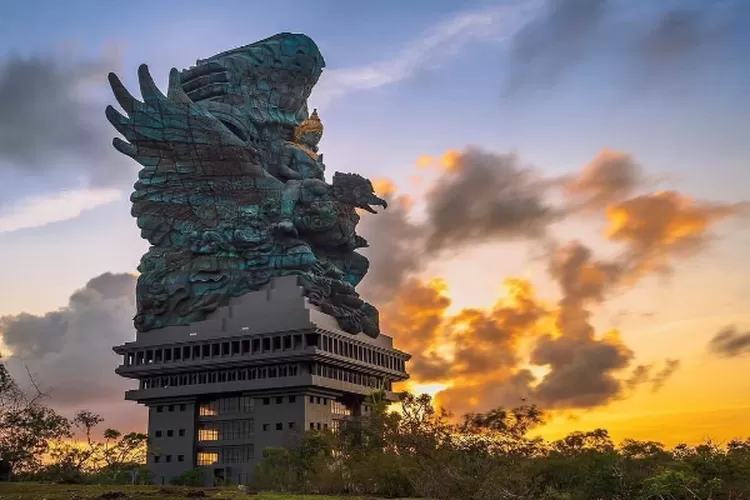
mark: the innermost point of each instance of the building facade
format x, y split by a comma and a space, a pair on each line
257, 374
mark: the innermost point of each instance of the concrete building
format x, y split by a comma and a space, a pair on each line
257, 374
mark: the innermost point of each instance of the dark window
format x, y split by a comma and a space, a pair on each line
169, 458
159, 409
318, 425
245, 346
287, 342
312, 399
180, 458
224, 348
312, 426
171, 407
318, 401
170, 433
291, 425
183, 407
325, 427
292, 399
265, 427
279, 426
279, 400
276, 343
157, 434
266, 401
181, 432
157, 458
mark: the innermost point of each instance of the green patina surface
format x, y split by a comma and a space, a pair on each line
232, 191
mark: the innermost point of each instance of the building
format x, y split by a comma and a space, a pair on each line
257, 374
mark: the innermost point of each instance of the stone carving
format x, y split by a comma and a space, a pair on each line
232, 190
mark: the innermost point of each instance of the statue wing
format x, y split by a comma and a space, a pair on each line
192, 163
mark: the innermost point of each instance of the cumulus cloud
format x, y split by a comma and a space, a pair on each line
610, 177
484, 197
478, 197
548, 354
657, 228
69, 350
729, 342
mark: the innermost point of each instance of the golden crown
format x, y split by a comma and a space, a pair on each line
312, 124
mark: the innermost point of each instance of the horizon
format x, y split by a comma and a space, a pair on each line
567, 186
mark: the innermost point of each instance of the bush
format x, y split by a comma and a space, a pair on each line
193, 477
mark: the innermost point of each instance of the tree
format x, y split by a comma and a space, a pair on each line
27, 426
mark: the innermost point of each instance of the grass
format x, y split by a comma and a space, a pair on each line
37, 491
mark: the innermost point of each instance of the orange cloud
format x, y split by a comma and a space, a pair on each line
657, 227
384, 187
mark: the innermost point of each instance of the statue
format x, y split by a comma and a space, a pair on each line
300, 158
232, 190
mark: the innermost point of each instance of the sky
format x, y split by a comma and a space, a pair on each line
568, 185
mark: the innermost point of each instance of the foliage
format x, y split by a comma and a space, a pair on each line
192, 477
424, 452
36, 441
27, 426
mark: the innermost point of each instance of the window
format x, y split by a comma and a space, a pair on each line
157, 459
208, 457
208, 432
208, 409
237, 454
279, 400
312, 426
318, 401
279, 426
180, 458
157, 434
265, 427
171, 407
266, 401
183, 407
169, 458
181, 432
170, 433
159, 409
325, 427
291, 425
318, 425
292, 399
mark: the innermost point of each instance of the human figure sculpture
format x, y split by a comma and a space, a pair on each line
300, 158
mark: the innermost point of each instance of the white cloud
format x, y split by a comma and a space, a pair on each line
446, 39
47, 209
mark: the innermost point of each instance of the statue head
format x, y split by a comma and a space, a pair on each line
309, 131
355, 190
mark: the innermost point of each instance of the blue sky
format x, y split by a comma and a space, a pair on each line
404, 79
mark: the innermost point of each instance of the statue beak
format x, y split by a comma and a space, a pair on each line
375, 201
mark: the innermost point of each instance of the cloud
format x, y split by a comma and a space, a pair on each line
729, 342
477, 197
431, 50
482, 197
656, 228
610, 177
70, 350
42, 210
647, 39
51, 121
